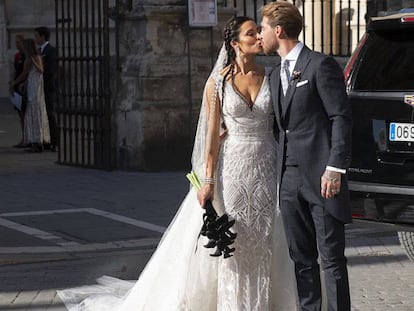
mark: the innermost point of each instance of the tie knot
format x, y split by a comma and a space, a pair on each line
286, 64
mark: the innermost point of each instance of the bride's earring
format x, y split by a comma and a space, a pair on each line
238, 55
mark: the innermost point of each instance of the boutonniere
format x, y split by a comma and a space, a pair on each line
295, 76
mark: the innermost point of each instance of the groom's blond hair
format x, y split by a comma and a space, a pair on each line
284, 14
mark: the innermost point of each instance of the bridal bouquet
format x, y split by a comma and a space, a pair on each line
215, 228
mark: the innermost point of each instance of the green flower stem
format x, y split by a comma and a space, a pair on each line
194, 180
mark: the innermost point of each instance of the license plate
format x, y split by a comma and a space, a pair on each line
401, 132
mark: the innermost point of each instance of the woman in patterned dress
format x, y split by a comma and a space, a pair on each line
36, 126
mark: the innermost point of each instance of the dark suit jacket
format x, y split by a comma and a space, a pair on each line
49, 56
316, 119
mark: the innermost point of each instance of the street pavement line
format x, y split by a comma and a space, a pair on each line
94, 211
114, 245
36, 233
46, 212
127, 220
71, 246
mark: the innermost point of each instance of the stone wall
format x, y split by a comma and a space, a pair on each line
20, 16
156, 111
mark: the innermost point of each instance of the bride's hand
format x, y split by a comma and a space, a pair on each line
205, 193
223, 135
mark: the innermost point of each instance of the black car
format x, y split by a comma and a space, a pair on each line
380, 84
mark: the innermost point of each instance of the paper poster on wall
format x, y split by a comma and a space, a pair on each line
202, 13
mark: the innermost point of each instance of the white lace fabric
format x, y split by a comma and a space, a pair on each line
247, 188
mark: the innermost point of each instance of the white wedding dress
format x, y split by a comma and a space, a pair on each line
181, 276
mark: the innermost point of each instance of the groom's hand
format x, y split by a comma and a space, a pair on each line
330, 184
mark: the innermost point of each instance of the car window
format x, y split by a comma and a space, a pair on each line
388, 62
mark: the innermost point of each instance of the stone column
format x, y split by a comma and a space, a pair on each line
154, 115
4, 64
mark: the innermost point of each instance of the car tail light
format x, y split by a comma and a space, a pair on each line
351, 62
356, 215
409, 19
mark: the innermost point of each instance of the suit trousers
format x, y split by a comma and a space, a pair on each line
51, 115
308, 227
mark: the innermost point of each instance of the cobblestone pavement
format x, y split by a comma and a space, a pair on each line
62, 227
381, 275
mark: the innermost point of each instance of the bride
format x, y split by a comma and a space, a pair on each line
235, 154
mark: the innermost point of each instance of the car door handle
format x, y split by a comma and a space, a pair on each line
391, 161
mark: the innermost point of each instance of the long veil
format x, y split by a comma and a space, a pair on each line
181, 276
198, 157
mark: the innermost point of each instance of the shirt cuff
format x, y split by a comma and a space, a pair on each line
335, 169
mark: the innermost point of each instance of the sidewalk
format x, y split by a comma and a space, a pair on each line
54, 211
64, 226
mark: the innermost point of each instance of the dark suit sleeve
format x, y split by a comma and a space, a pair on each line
50, 70
331, 89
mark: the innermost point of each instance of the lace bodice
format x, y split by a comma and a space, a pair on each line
243, 120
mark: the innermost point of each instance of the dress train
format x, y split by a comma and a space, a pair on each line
181, 276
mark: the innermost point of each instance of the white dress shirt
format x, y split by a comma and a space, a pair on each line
42, 47
293, 56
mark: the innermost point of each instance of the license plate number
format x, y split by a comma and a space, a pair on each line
401, 132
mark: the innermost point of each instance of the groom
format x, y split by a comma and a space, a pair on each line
313, 128
49, 54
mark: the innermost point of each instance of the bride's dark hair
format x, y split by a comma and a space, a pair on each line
231, 33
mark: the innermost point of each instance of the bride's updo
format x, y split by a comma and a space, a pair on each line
231, 33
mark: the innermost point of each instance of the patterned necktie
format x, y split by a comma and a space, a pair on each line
285, 75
